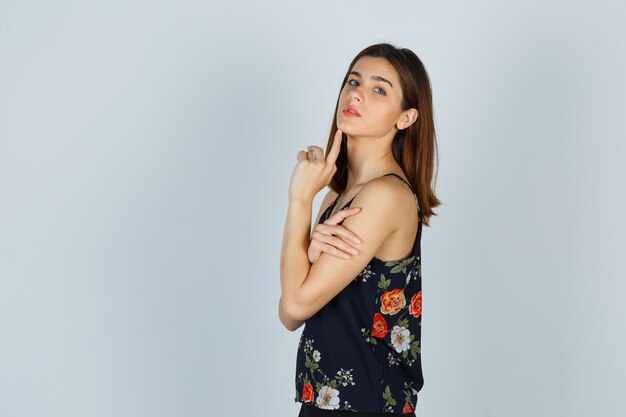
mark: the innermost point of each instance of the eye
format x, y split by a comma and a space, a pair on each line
382, 91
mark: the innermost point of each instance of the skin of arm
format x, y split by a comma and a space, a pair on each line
290, 324
306, 288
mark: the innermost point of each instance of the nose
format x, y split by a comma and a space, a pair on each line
355, 96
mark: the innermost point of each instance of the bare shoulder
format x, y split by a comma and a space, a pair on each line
390, 195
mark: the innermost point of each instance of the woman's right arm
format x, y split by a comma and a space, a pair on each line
293, 325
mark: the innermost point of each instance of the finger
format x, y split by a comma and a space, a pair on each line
331, 250
331, 237
318, 153
322, 241
343, 245
336, 147
346, 233
301, 156
338, 230
342, 214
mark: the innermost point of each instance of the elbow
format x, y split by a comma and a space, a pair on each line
292, 326
292, 310
290, 315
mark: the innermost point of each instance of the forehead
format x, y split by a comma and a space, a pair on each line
369, 65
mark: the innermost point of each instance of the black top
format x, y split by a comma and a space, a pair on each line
361, 352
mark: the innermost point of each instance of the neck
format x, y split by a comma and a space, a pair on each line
368, 158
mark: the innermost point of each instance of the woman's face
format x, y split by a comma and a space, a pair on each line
373, 88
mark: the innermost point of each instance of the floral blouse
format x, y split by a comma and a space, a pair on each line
361, 351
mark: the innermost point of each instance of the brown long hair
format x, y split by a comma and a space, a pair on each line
413, 148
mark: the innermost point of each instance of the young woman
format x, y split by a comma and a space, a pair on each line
356, 279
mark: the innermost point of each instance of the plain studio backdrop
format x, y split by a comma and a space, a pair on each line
146, 149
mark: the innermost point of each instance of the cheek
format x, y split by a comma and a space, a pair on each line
386, 116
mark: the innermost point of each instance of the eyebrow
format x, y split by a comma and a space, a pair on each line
373, 77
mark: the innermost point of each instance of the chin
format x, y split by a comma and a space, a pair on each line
348, 130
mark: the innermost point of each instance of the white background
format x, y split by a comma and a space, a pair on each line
146, 149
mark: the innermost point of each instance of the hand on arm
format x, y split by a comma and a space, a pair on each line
308, 293
329, 237
333, 238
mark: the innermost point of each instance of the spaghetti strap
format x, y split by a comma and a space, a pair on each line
329, 210
408, 185
393, 173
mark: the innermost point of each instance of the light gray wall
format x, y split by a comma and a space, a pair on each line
146, 148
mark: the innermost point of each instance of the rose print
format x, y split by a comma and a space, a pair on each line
416, 305
392, 301
307, 393
379, 327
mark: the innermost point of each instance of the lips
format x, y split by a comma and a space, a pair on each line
351, 110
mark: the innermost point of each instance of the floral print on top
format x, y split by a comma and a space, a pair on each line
362, 351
